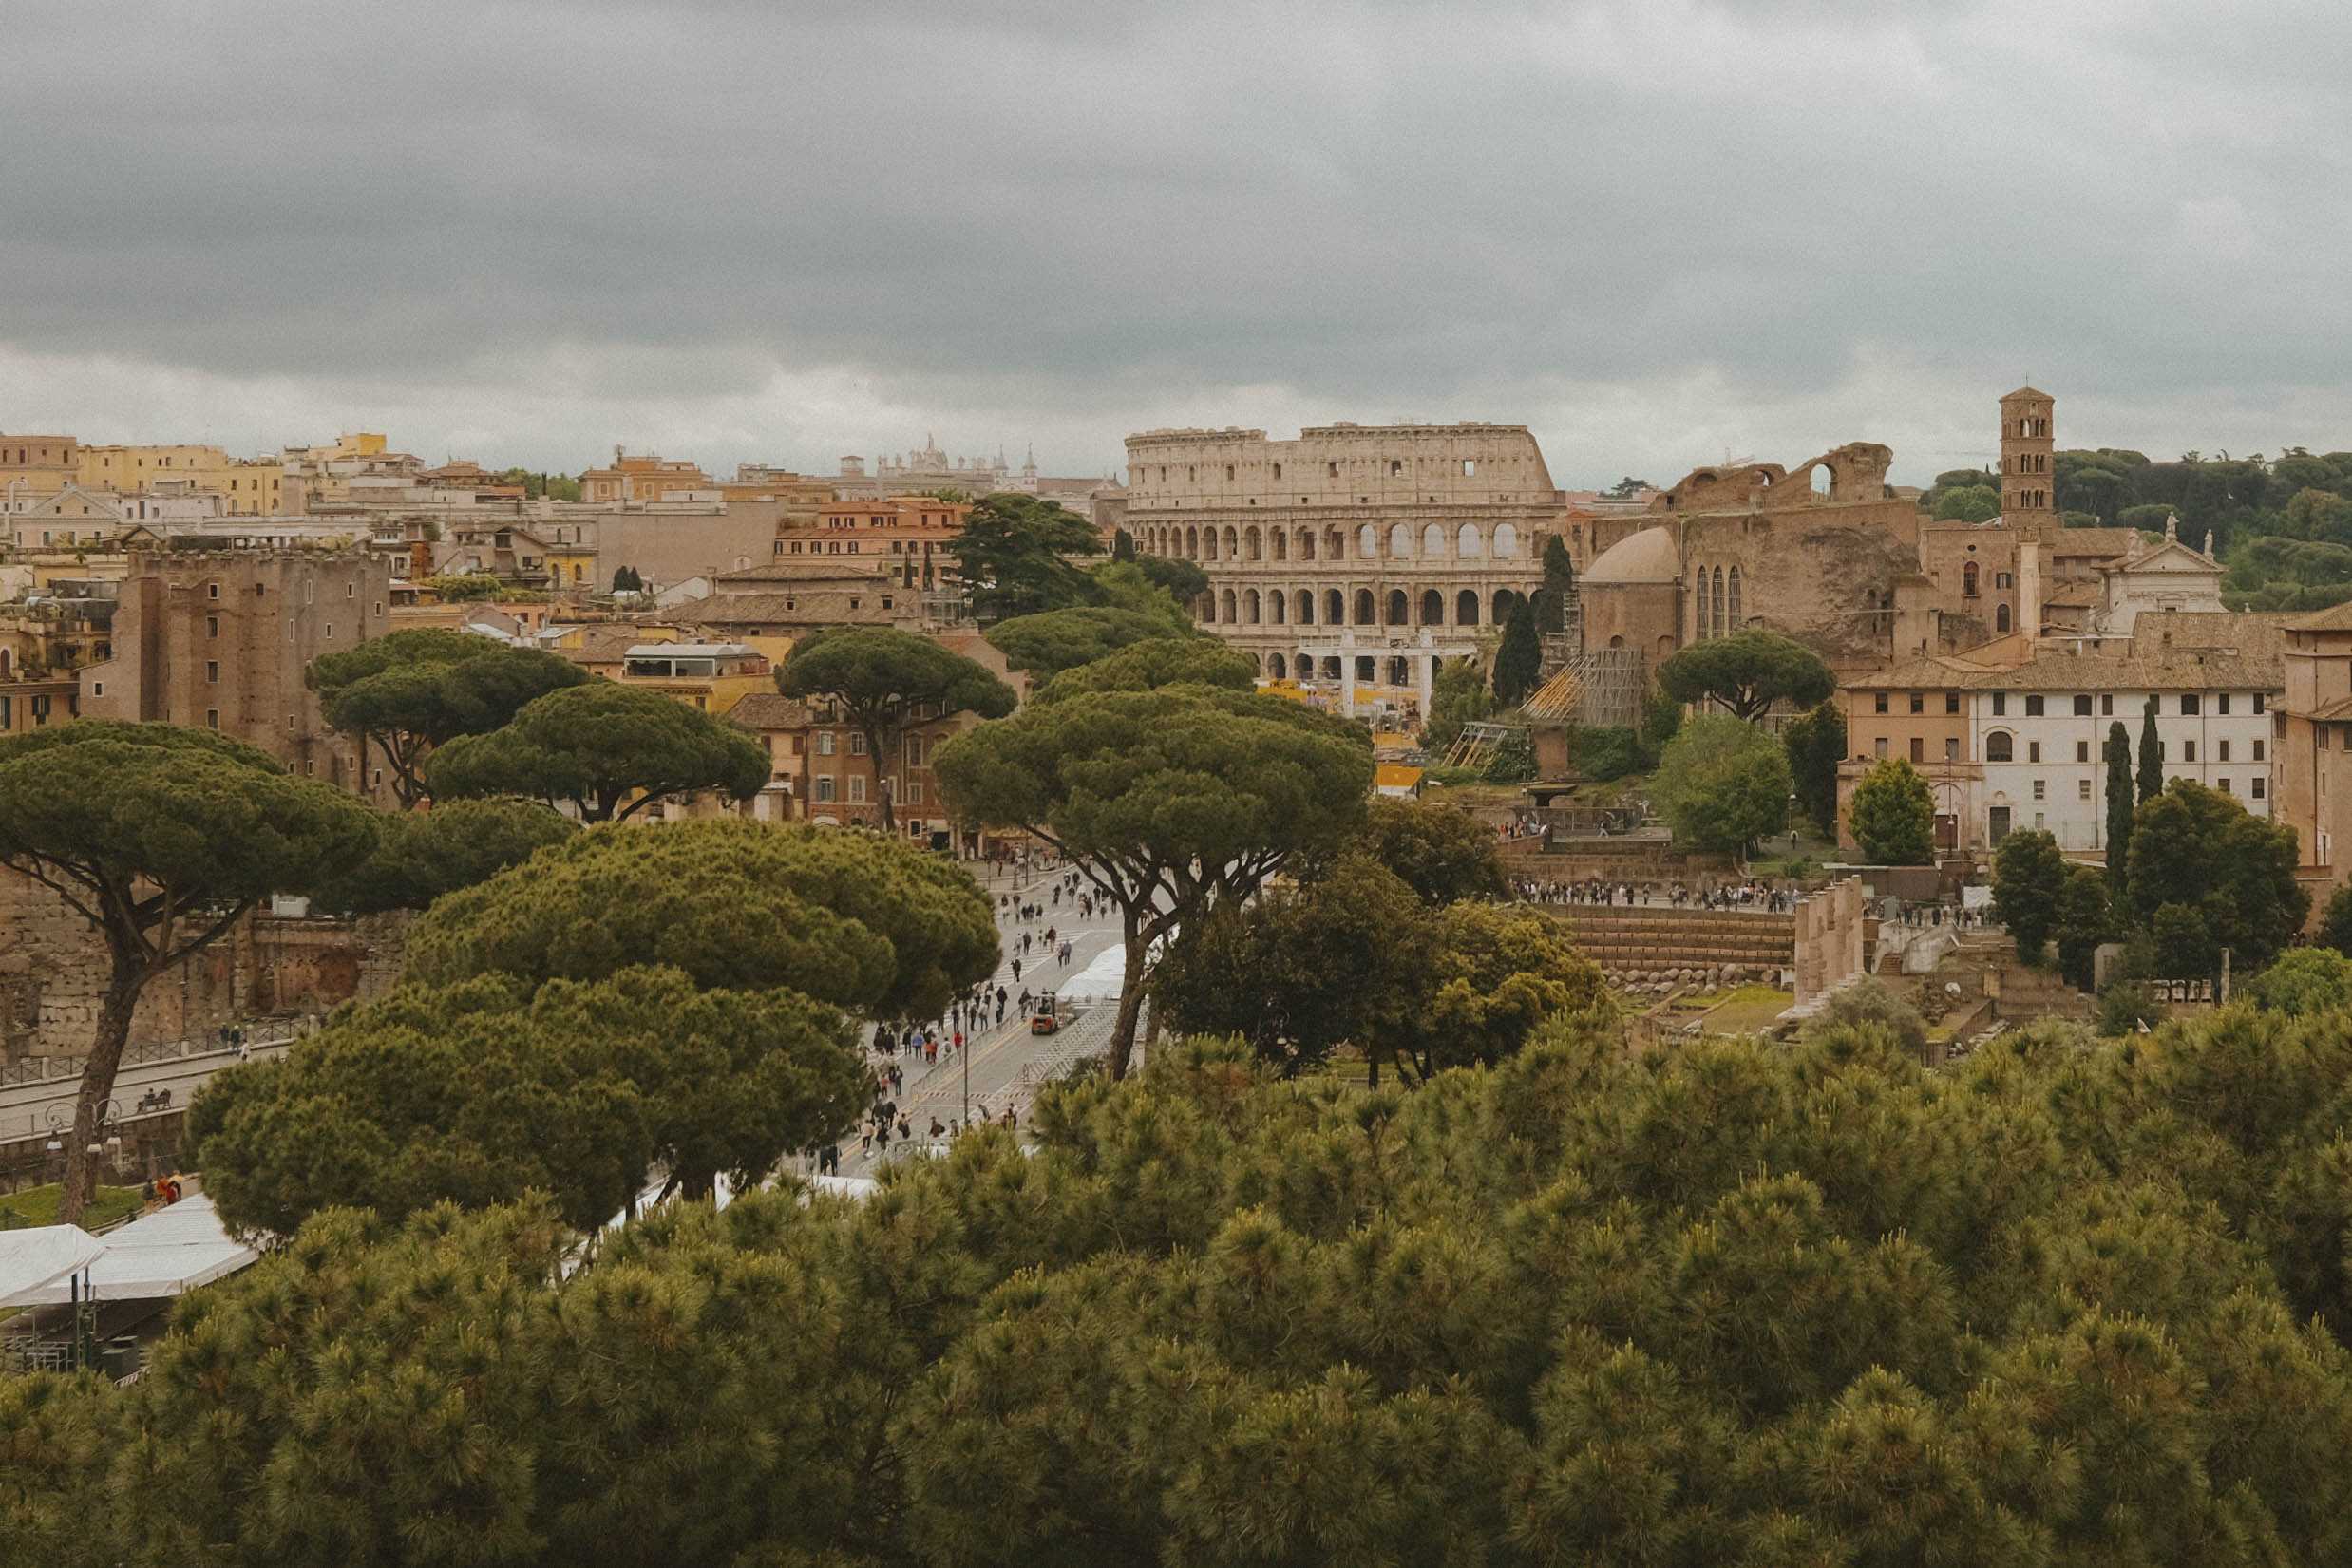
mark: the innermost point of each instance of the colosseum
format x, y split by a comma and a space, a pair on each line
1355, 556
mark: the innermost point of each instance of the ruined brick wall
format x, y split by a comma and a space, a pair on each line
53, 974
1829, 940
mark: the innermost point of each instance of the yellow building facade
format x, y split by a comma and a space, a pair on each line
248, 487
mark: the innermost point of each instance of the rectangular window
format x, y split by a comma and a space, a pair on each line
800, 746
1882, 748
2257, 701
2033, 706
824, 742
824, 789
212, 590
1919, 702
914, 792
857, 745
2082, 706
2083, 789
2221, 702
2041, 790
1878, 704
2224, 785
2223, 753
212, 626
212, 671
2257, 791
857, 788
2107, 705
2000, 704
2082, 751
1918, 749
2258, 751
1951, 749
2189, 705
2001, 579
212, 718
1951, 701
2189, 751
2033, 751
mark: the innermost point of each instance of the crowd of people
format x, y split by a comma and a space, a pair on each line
1754, 895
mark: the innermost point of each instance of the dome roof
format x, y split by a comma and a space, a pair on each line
1649, 555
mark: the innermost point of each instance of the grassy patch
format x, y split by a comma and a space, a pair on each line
38, 1206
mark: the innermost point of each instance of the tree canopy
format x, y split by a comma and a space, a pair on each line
1168, 802
1722, 784
1046, 644
1443, 853
1017, 555
2200, 851
1153, 663
1893, 817
884, 680
858, 921
2029, 878
162, 838
607, 750
1747, 672
1518, 662
1815, 742
421, 855
410, 692
2064, 1302
477, 1093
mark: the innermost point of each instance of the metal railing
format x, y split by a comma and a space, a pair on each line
35, 1070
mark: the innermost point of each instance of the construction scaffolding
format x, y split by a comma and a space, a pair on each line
1598, 687
1475, 747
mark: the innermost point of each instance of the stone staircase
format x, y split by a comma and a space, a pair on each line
1639, 947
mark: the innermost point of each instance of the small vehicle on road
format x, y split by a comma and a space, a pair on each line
1046, 1018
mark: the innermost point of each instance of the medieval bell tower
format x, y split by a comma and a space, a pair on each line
2028, 473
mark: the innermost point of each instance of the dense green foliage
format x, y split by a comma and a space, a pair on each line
1181, 580
2120, 804
2151, 754
1459, 695
2309, 980
481, 1093
2060, 1305
1968, 503
1443, 853
410, 692
607, 750
1893, 817
2029, 877
1551, 599
1518, 662
1722, 784
473, 588
2201, 855
162, 838
1747, 672
2336, 919
1605, 753
421, 855
2084, 920
1052, 641
882, 680
1153, 663
1815, 742
854, 921
1169, 802
1017, 555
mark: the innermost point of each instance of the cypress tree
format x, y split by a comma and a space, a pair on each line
2151, 753
2118, 803
1519, 663
1559, 583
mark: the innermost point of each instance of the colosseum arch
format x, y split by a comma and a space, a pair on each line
1250, 606
1334, 544
1367, 542
1433, 541
1231, 605
1334, 607
1331, 667
1252, 546
1506, 541
1401, 539
1233, 543
1278, 605
1306, 544
1466, 607
1399, 673
1505, 601
1400, 608
1364, 607
1208, 544
1192, 544
1432, 606
1306, 606
1469, 542
1281, 541
1278, 667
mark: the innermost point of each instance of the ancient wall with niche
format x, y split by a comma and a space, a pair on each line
53, 974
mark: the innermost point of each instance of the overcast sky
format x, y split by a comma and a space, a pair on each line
1655, 231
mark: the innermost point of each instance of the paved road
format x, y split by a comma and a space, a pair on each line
31, 1110
1007, 1063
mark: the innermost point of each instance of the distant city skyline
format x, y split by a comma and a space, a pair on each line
1653, 231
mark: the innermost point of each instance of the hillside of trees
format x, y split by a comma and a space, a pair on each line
2067, 1303
2283, 525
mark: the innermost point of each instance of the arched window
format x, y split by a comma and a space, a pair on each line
1399, 607
1334, 544
1209, 545
1192, 544
1701, 627
2000, 746
1433, 608
1306, 606
1397, 675
1434, 540
1278, 603
1401, 539
1282, 545
1233, 543
1334, 607
1504, 600
1306, 544
1331, 667
2001, 618
1734, 624
1969, 580
1232, 604
1279, 665
1250, 606
1469, 542
1506, 541
1466, 607
1721, 624
1367, 542
1252, 546
1363, 607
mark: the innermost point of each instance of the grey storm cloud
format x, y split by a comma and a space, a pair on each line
1645, 227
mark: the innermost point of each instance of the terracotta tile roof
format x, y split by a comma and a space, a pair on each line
769, 710
2092, 541
2334, 619
2339, 708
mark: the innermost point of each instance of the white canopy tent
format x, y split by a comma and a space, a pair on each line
33, 1260
167, 1254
